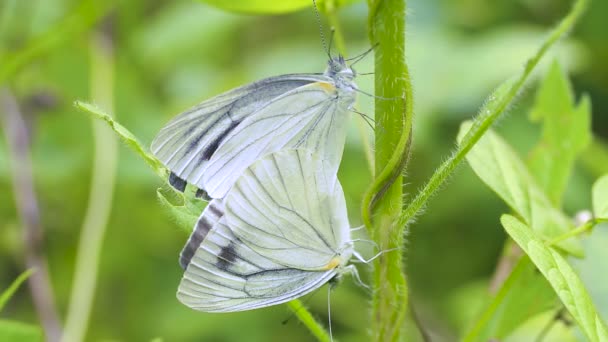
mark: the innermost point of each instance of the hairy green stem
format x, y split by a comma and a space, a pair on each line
105, 161
306, 318
582, 229
127, 137
484, 120
393, 128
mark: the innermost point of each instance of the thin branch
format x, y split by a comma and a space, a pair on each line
100, 197
18, 141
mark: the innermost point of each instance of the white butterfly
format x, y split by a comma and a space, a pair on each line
281, 232
212, 143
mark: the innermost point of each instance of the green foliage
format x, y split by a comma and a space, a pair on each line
498, 166
184, 209
561, 276
524, 294
566, 133
83, 17
126, 136
600, 198
8, 293
12, 330
273, 6
259, 6
19, 332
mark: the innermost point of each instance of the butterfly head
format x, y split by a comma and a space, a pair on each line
338, 70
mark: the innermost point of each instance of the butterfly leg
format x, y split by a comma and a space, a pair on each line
363, 260
355, 273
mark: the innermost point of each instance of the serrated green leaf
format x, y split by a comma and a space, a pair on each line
600, 197
19, 332
8, 293
183, 210
126, 136
499, 167
565, 282
524, 294
273, 6
566, 133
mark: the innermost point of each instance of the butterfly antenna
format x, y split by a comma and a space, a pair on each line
331, 336
375, 96
358, 58
318, 16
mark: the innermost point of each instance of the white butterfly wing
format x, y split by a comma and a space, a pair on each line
309, 117
225, 275
190, 139
290, 208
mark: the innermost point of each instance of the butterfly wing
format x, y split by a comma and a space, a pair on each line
290, 208
309, 117
225, 275
189, 140
212, 213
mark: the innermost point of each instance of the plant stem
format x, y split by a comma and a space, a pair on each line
484, 120
306, 318
584, 228
100, 196
10, 291
18, 141
393, 132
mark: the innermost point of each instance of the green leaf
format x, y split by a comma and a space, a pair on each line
499, 167
600, 197
184, 208
19, 332
565, 282
260, 6
566, 133
523, 295
274, 6
8, 293
126, 136
185, 211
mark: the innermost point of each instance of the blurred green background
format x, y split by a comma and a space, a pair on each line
170, 55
